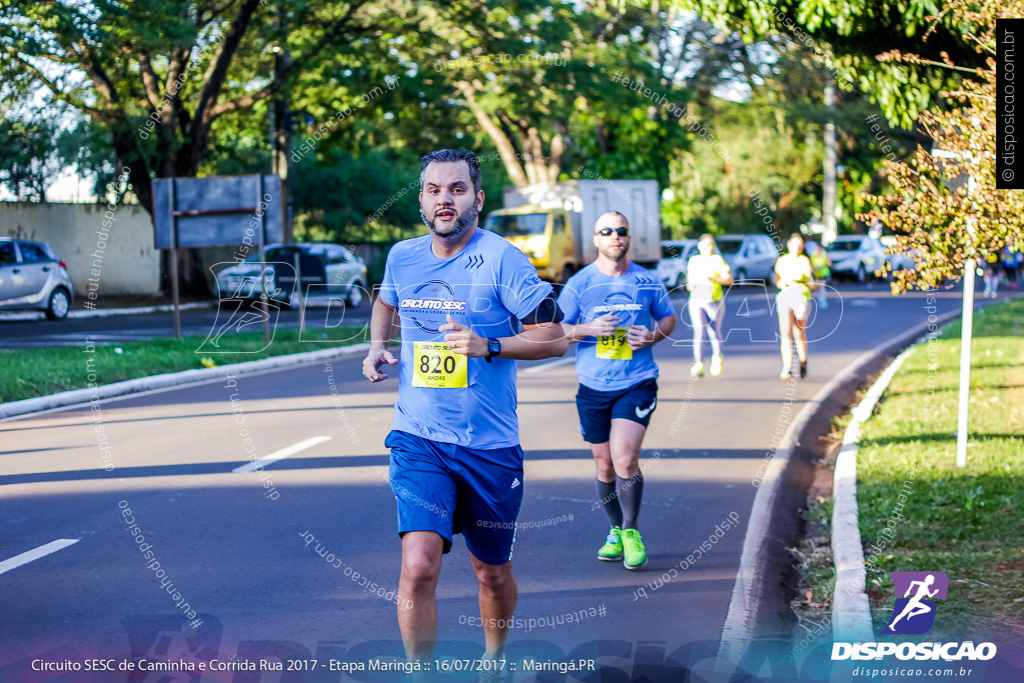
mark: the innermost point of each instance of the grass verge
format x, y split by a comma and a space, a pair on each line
29, 373
918, 510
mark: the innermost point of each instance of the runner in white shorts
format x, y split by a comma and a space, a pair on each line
706, 272
793, 302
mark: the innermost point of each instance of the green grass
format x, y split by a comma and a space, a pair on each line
39, 372
966, 522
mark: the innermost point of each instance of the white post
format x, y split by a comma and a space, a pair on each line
966, 334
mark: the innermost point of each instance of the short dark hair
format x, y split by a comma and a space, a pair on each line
448, 156
612, 212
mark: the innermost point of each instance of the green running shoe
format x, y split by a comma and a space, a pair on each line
611, 551
634, 554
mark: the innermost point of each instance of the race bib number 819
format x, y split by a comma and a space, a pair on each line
614, 347
438, 367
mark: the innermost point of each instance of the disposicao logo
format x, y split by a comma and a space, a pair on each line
914, 614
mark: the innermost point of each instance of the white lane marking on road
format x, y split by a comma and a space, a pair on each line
282, 454
41, 551
547, 366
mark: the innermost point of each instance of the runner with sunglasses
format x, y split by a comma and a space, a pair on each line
610, 307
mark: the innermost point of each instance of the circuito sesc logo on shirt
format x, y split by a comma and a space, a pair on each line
430, 303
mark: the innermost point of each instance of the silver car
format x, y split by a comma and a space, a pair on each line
32, 277
856, 256
328, 268
750, 257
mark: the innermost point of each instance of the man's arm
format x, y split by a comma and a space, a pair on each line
598, 327
535, 342
383, 324
639, 336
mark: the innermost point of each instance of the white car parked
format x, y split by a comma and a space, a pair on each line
674, 256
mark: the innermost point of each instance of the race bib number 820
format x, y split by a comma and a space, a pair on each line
438, 367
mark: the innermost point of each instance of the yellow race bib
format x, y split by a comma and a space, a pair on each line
614, 347
438, 367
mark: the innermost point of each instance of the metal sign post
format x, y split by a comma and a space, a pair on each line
263, 267
299, 293
212, 212
175, 295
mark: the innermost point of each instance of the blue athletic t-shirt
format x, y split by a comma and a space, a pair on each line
637, 297
489, 286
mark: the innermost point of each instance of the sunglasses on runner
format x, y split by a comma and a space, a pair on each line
621, 232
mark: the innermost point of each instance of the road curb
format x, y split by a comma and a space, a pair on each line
18, 316
775, 510
65, 399
851, 612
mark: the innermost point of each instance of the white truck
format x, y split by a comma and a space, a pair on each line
553, 223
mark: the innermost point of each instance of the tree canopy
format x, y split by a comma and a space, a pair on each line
854, 33
944, 207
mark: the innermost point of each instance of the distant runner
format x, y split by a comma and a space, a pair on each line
610, 306
795, 280
706, 272
822, 266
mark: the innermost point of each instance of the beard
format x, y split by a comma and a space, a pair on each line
458, 227
614, 254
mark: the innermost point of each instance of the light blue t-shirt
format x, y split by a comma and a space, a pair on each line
489, 286
637, 297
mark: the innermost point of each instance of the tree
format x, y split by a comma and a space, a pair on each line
159, 74
938, 222
538, 81
30, 162
855, 33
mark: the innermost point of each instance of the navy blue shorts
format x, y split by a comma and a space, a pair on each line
598, 408
451, 489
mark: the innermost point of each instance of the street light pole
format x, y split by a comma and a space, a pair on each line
828, 198
280, 127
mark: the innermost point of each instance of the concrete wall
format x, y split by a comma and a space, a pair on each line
122, 248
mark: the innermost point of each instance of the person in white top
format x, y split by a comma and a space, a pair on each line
706, 272
793, 302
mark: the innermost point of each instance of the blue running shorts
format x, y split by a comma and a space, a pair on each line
598, 408
451, 489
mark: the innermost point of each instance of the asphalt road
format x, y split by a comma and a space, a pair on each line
17, 332
273, 563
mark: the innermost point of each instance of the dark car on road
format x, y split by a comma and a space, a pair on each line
333, 269
32, 277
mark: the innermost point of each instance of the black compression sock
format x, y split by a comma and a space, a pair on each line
630, 492
608, 499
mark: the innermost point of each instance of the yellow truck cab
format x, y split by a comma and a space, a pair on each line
552, 223
544, 235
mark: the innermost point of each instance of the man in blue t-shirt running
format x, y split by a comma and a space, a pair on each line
610, 307
460, 296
